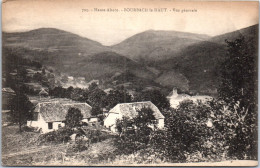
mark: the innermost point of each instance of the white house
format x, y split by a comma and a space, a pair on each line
50, 115
130, 110
175, 98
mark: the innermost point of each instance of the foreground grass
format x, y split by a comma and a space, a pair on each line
23, 149
15, 141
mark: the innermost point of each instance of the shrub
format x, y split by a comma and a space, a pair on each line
61, 135
135, 133
212, 131
29, 129
73, 117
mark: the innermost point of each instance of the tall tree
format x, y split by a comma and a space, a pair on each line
238, 88
239, 74
20, 109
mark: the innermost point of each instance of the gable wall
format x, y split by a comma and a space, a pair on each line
40, 123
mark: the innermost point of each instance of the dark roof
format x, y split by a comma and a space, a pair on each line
130, 109
57, 111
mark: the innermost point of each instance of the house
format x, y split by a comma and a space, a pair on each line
175, 98
50, 115
70, 78
43, 93
130, 110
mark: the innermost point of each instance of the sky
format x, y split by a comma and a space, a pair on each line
108, 28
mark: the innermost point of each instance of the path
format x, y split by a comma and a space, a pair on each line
32, 150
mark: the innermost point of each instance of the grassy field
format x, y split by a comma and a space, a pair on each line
14, 141
23, 149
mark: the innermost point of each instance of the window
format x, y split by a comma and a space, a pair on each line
35, 116
59, 126
154, 121
49, 125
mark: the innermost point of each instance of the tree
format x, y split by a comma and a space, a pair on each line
73, 118
135, 131
93, 86
22, 74
238, 89
95, 111
97, 98
20, 109
58, 92
142, 121
156, 97
195, 130
239, 74
144, 118
78, 94
116, 96
69, 91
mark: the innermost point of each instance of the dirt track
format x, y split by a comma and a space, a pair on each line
31, 150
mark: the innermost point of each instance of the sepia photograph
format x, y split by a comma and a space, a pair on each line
129, 83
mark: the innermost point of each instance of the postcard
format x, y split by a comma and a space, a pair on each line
129, 83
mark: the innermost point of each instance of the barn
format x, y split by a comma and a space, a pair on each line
130, 110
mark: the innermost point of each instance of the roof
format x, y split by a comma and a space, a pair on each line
43, 92
56, 111
34, 85
8, 90
130, 109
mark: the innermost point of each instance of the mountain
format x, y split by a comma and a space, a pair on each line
104, 65
200, 62
53, 41
150, 46
162, 59
249, 33
71, 54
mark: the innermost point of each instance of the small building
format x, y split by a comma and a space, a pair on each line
130, 110
70, 78
43, 93
50, 115
175, 98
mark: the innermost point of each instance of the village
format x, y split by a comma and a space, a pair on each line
129, 84
51, 97
49, 112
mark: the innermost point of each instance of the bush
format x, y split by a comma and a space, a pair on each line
194, 132
212, 131
29, 129
190, 133
61, 135
135, 133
